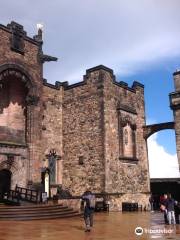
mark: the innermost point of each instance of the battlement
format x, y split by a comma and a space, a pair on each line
87, 76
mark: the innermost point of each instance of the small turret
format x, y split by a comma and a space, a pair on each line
177, 80
38, 37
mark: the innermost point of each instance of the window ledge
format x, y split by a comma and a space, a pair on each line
133, 160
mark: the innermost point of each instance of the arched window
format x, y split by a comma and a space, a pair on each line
52, 165
127, 141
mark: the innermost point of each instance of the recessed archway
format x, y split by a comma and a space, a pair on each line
13, 110
16, 92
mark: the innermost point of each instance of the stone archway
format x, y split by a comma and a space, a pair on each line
8, 70
148, 130
5, 181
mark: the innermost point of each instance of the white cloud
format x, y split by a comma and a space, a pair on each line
161, 163
127, 36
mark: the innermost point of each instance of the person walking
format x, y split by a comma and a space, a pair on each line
177, 211
170, 203
163, 204
90, 201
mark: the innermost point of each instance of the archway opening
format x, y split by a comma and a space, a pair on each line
163, 164
13, 94
5, 181
162, 155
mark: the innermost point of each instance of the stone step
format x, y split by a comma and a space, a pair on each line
40, 217
45, 211
35, 208
36, 212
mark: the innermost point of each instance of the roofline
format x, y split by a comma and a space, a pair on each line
27, 38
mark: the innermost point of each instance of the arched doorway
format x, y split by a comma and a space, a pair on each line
5, 181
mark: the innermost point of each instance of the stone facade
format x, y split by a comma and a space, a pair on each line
19, 63
95, 114
175, 106
89, 134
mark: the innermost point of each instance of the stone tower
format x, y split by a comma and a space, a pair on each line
103, 144
175, 106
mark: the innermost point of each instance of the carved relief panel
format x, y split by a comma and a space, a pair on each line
127, 134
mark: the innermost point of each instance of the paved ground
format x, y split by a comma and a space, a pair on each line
108, 226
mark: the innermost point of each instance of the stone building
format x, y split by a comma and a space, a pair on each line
89, 134
175, 106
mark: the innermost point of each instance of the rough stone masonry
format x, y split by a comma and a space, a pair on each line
89, 134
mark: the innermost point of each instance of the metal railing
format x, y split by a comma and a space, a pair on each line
26, 194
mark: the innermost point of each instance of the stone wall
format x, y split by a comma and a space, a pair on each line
175, 106
72, 203
125, 172
52, 127
177, 130
83, 137
18, 166
115, 203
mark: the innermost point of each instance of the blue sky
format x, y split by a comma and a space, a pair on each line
158, 81
138, 39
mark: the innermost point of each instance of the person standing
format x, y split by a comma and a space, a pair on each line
151, 201
90, 201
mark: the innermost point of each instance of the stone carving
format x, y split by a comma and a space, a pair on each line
17, 38
8, 163
126, 136
46, 58
32, 100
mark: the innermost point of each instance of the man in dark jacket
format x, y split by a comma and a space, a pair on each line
170, 203
89, 200
163, 203
177, 211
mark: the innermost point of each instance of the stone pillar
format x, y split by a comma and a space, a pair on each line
175, 106
177, 80
33, 139
59, 171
